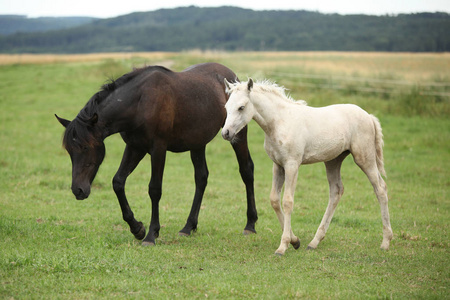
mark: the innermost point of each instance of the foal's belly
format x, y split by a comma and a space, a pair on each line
302, 154
311, 158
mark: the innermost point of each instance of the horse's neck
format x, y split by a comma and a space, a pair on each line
269, 112
118, 115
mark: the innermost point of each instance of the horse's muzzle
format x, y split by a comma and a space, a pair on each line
80, 193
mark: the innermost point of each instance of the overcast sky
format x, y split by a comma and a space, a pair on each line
113, 8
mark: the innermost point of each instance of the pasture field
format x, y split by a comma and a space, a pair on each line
53, 246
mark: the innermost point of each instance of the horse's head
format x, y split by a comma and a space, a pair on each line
86, 150
240, 110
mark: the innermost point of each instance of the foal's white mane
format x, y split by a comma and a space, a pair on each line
266, 86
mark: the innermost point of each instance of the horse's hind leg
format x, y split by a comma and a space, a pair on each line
246, 169
333, 168
130, 160
201, 180
370, 168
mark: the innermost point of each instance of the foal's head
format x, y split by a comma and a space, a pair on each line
86, 150
240, 109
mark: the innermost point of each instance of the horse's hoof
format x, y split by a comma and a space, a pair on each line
141, 233
248, 232
279, 254
145, 243
181, 233
296, 244
310, 248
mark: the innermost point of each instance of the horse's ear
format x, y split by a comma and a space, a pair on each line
227, 85
63, 122
250, 84
93, 120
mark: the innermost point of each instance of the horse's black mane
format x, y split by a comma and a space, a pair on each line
113, 84
91, 107
77, 133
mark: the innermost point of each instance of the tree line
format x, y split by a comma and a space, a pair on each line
237, 29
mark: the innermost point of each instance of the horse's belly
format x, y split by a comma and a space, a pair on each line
186, 140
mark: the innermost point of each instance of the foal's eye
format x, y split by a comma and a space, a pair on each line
241, 108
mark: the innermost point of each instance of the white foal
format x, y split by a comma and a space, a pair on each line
297, 134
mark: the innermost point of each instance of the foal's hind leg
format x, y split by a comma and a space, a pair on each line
370, 168
333, 168
246, 169
201, 180
131, 158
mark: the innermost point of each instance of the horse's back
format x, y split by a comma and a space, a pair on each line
212, 71
187, 107
200, 89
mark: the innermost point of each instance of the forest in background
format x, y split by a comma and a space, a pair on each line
229, 29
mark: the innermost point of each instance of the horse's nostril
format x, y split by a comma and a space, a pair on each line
79, 193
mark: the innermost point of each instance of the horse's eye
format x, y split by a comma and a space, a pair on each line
241, 108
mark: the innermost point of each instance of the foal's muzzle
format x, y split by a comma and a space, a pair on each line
226, 134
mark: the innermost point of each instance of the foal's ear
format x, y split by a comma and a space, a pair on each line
63, 122
227, 85
250, 84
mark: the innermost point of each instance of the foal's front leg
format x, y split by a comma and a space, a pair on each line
290, 174
275, 193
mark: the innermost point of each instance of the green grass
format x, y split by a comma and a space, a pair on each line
53, 246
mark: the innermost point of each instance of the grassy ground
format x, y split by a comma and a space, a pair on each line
53, 246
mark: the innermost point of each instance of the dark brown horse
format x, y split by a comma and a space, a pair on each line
156, 110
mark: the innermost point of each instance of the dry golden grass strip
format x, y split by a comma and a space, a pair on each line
9, 59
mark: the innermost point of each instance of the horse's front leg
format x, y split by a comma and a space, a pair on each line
155, 190
291, 173
131, 158
201, 180
246, 169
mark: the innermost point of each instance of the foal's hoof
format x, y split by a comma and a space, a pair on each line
181, 233
296, 244
141, 233
145, 243
310, 248
279, 254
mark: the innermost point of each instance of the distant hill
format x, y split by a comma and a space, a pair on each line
10, 24
232, 28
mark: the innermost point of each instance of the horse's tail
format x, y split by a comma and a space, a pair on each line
379, 145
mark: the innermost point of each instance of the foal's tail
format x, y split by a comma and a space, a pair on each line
379, 145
